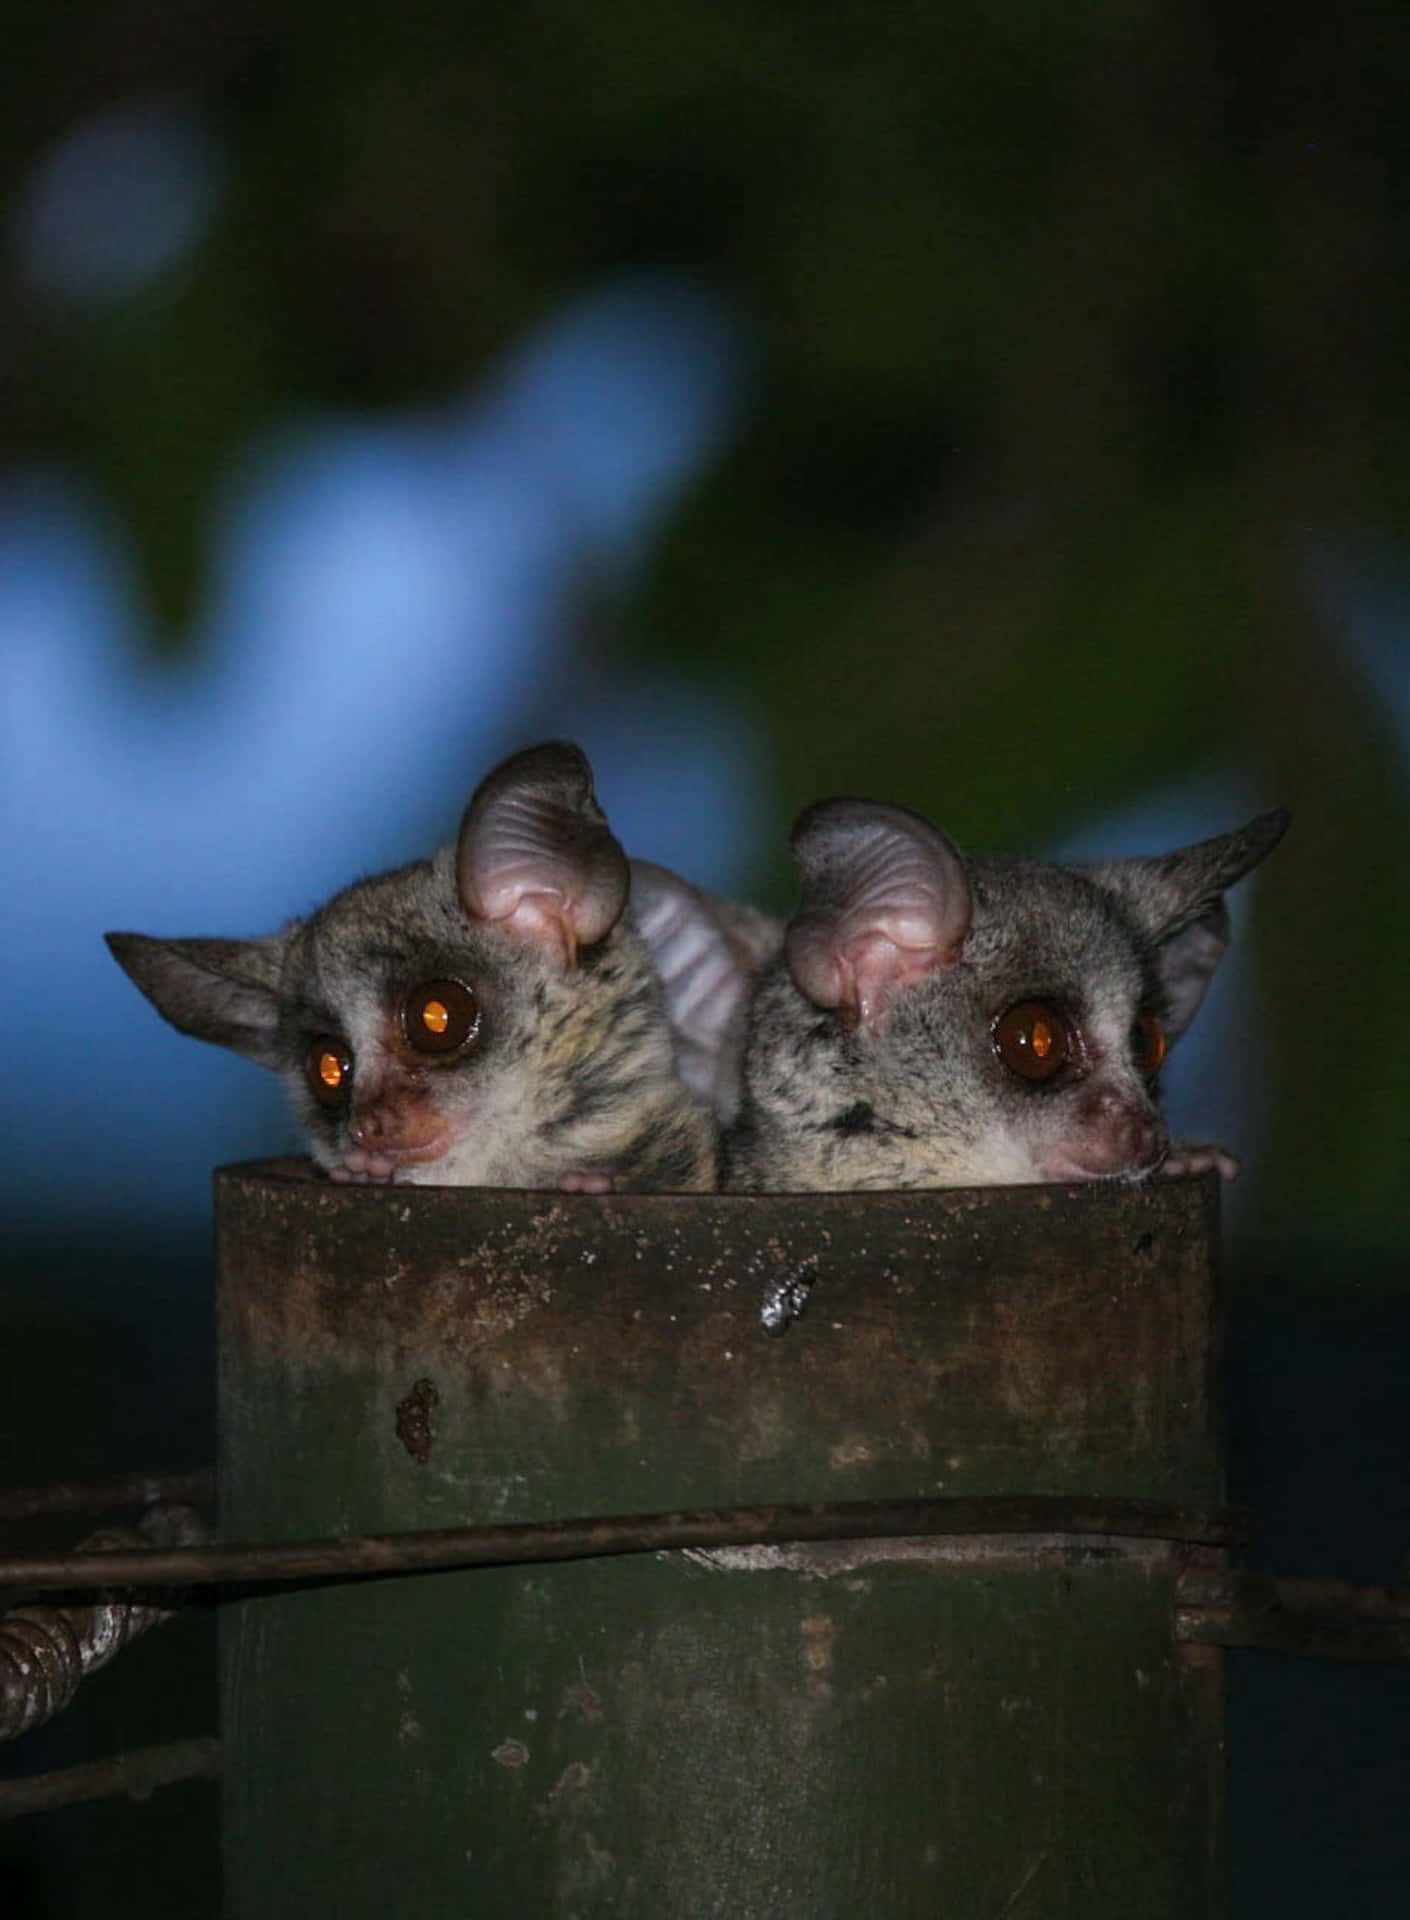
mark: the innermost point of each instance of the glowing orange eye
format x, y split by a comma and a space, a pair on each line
1032, 1039
1148, 1044
440, 1016
328, 1072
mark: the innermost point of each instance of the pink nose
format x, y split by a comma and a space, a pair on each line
386, 1124
1116, 1134
368, 1128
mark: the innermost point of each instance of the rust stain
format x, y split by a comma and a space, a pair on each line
570, 1788
580, 1698
414, 1420
819, 1638
510, 1753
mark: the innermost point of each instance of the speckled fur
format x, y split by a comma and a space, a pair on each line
567, 1030
571, 1072
570, 1079
924, 1101
922, 1097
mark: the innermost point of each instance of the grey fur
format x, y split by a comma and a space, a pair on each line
571, 1077
907, 1089
1176, 902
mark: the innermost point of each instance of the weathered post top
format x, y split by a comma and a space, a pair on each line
1043, 1339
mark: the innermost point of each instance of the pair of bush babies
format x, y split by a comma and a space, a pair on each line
529, 1008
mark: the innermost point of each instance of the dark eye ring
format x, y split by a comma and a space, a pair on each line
1148, 1044
1032, 1039
328, 1070
440, 1017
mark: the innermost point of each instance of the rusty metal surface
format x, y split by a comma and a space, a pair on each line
993, 1723
641, 1738
47, 1651
1043, 1340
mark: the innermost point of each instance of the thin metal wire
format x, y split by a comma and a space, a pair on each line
108, 1496
136, 1774
246, 1563
1320, 1619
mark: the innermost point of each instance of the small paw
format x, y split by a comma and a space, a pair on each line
586, 1183
1197, 1156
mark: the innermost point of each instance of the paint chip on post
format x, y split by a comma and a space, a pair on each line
785, 1299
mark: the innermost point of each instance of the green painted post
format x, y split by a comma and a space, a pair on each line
979, 1727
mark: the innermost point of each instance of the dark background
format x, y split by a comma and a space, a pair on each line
1000, 411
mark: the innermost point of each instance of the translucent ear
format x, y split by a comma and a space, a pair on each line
224, 991
705, 953
536, 856
1176, 900
885, 901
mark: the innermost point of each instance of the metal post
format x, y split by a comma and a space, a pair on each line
999, 1724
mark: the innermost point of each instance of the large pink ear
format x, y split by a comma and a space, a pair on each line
885, 901
706, 953
536, 856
